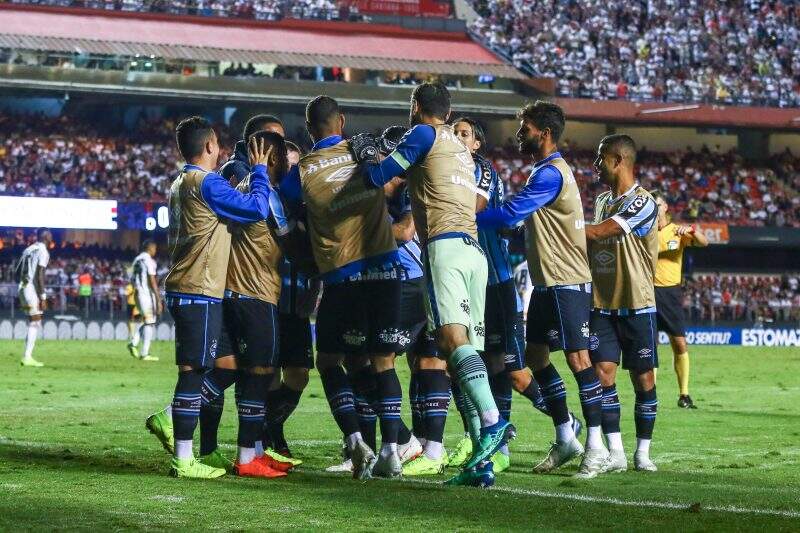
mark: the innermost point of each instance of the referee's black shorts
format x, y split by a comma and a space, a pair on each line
669, 310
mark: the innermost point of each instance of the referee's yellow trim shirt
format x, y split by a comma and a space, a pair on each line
670, 256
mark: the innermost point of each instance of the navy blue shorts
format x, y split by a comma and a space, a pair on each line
559, 318
415, 338
632, 336
669, 310
252, 326
296, 348
360, 318
198, 327
504, 325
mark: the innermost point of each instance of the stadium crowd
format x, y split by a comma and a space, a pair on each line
745, 52
704, 185
248, 9
736, 297
67, 157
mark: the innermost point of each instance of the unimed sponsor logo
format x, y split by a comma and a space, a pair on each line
771, 337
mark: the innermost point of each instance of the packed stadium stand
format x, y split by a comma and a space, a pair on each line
745, 52
245, 9
743, 297
70, 157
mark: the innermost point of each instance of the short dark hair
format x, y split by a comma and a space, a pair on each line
433, 99
191, 135
622, 143
545, 115
257, 123
147, 243
477, 129
659, 194
40, 232
321, 110
275, 140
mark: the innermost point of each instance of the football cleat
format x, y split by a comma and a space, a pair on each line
215, 459
193, 469
685, 402
31, 362
501, 461
616, 462
462, 452
388, 466
642, 462
559, 454
491, 439
410, 450
160, 425
425, 466
282, 457
133, 350
481, 476
274, 464
363, 461
257, 468
592, 464
344, 466
577, 425
148, 358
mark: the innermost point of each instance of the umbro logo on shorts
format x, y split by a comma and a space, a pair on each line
645, 352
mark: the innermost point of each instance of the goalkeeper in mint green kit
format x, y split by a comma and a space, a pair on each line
441, 182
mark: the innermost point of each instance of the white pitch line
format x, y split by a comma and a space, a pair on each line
613, 501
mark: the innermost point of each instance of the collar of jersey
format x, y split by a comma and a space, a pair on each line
624, 195
189, 166
326, 142
547, 159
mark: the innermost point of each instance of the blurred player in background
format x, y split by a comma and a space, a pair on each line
134, 320
32, 294
558, 315
673, 239
147, 297
623, 254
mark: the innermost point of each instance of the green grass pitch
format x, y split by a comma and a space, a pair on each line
74, 454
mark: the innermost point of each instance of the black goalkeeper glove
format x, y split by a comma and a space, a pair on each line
365, 148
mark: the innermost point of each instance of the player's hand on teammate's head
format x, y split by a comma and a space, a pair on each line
259, 152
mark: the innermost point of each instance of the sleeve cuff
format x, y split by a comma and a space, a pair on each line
484, 194
622, 224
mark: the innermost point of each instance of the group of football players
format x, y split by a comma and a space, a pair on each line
406, 236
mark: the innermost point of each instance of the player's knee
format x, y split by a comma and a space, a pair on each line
383, 362
578, 360
643, 380
537, 356
606, 373
260, 370
431, 363
520, 379
495, 362
295, 378
226, 361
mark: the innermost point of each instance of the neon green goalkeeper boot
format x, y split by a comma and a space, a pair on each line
282, 458
424, 466
160, 425
501, 462
462, 452
215, 459
192, 468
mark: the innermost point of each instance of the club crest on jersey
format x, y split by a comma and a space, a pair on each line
672, 245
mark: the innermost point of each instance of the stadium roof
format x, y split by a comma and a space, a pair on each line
285, 44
